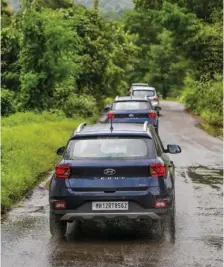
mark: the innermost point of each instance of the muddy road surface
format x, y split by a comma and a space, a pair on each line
26, 241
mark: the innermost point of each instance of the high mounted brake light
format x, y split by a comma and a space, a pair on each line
110, 116
62, 171
152, 115
157, 170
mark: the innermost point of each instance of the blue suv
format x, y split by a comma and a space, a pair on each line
133, 110
118, 172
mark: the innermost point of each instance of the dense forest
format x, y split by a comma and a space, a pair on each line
57, 54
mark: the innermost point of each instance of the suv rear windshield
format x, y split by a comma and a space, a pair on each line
110, 148
130, 105
143, 93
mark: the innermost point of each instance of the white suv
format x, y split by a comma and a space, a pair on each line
143, 90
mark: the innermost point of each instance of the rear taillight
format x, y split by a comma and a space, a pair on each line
62, 171
157, 170
59, 205
110, 116
156, 98
152, 115
160, 204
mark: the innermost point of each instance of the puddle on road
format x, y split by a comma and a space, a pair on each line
111, 230
205, 175
117, 244
214, 241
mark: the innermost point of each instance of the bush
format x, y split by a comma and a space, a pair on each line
80, 105
7, 102
108, 100
205, 99
29, 142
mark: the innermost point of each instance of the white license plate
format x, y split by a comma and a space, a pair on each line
110, 205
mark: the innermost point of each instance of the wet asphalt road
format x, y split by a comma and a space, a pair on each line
26, 240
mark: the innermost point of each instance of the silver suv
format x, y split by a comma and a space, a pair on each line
143, 90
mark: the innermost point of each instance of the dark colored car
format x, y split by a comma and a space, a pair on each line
133, 110
118, 173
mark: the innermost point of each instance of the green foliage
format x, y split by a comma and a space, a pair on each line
7, 102
47, 56
5, 13
9, 58
165, 65
80, 105
50, 53
203, 9
31, 141
108, 100
205, 99
146, 4
176, 38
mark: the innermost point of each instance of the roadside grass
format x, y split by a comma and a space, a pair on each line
211, 129
29, 143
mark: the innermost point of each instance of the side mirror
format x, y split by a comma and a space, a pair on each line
173, 149
60, 150
107, 108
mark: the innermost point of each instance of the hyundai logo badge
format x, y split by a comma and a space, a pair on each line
131, 115
109, 171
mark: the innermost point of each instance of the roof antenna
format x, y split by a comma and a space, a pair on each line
111, 116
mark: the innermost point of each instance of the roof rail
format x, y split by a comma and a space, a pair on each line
145, 126
117, 97
81, 126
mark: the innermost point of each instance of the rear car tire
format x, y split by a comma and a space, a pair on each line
58, 228
171, 218
158, 228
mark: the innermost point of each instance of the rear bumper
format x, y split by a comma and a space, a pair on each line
148, 214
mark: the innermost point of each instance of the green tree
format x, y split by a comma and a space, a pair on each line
5, 13
47, 56
10, 49
167, 69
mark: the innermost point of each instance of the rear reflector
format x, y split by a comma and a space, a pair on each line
157, 170
59, 205
160, 204
110, 115
62, 171
152, 115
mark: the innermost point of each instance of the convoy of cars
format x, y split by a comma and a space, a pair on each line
116, 170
